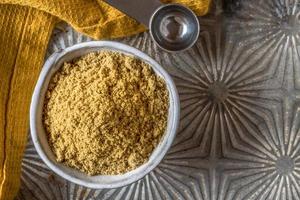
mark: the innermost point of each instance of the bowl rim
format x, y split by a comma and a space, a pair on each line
36, 98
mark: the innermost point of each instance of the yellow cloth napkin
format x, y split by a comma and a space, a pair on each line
25, 28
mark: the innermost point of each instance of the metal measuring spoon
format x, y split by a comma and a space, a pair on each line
173, 27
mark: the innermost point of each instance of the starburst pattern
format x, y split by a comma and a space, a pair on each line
266, 22
231, 118
239, 136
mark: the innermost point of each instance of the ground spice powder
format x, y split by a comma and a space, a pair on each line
105, 113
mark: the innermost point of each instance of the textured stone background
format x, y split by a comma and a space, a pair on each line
240, 112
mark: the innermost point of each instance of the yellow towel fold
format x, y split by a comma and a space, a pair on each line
25, 28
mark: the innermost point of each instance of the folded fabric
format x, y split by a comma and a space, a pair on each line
25, 27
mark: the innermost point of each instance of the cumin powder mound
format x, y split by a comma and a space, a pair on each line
105, 113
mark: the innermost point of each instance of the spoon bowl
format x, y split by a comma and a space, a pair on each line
174, 27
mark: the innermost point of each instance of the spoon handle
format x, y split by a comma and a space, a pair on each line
141, 10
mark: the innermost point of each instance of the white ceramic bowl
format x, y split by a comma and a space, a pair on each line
39, 136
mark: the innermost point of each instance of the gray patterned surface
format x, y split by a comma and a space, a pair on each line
239, 136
